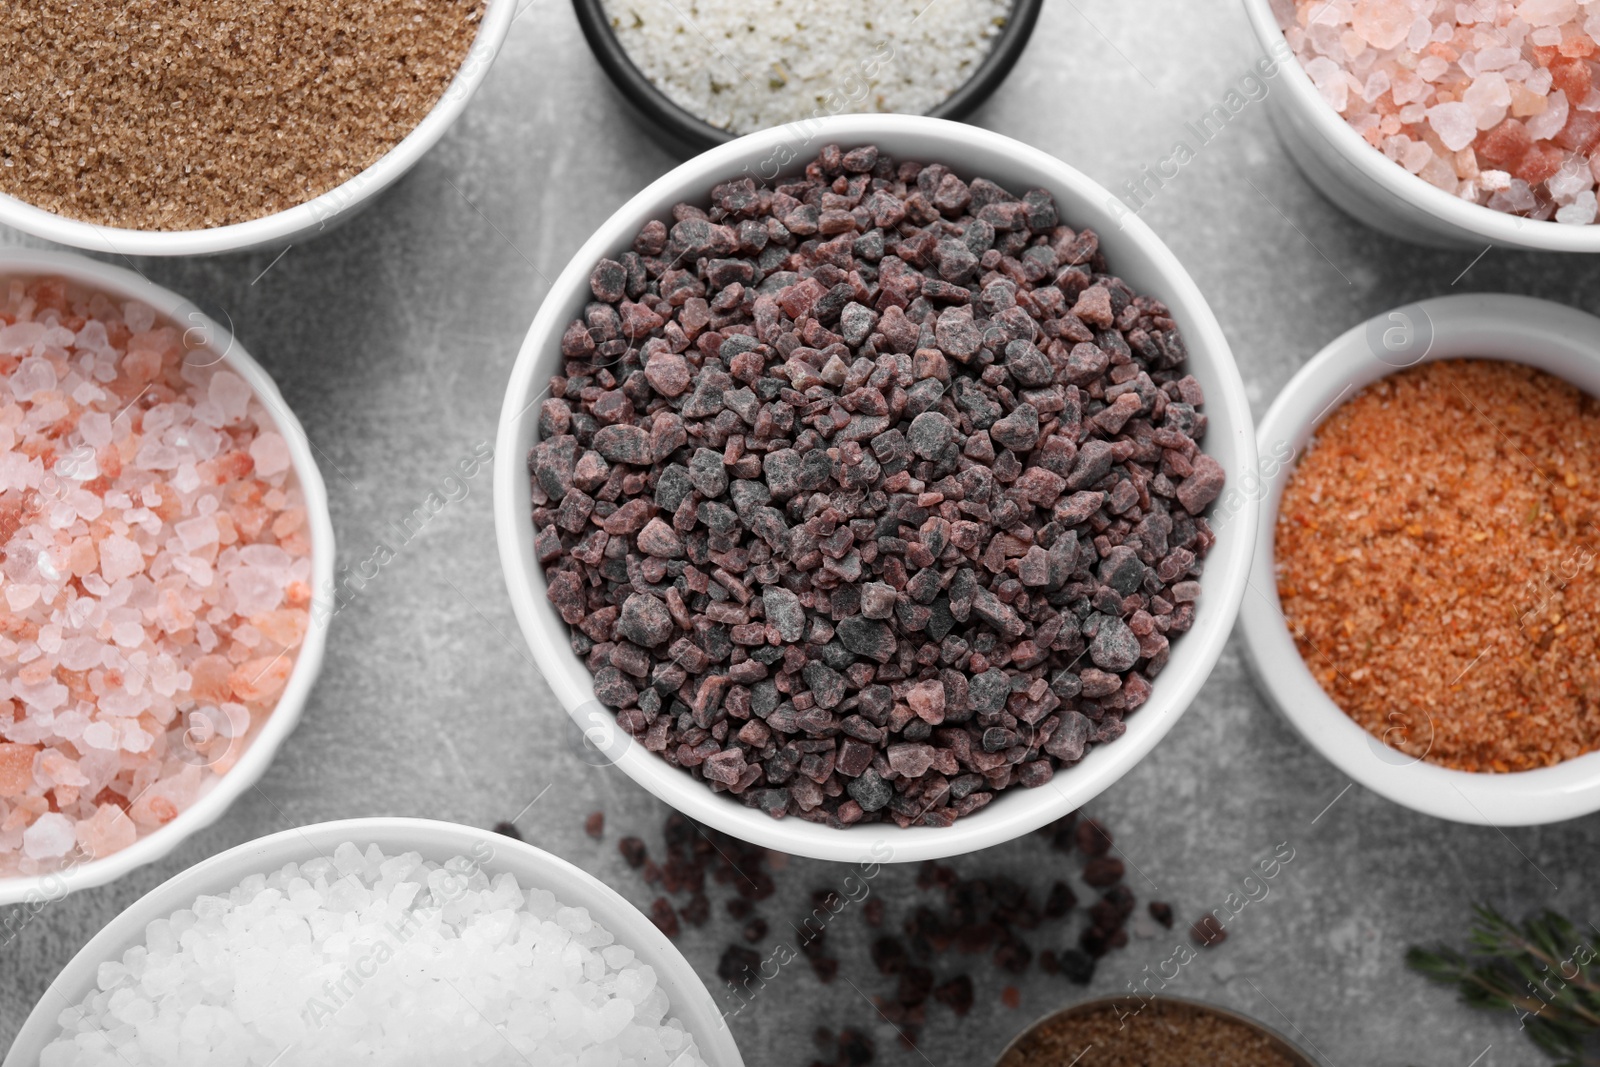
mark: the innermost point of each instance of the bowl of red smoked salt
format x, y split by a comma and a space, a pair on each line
1161, 1031
1476, 124
270, 123
476, 938
1419, 609
1130, 251
163, 528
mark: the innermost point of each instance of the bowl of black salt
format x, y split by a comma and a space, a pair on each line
887, 510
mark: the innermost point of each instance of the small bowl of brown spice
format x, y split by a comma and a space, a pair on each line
1158, 1032
1423, 599
239, 126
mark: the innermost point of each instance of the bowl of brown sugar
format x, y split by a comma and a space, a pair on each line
1424, 603
200, 127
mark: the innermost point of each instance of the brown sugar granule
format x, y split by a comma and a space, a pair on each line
1152, 1033
187, 114
1436, 552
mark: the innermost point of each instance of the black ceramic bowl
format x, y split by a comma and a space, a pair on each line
686, 134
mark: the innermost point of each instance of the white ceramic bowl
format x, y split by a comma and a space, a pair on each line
1365, 184
126, 285
302, 221
1554, 338
437, 841
1135, 254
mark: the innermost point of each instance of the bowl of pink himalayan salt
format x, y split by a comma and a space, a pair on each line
162, 529
1448, 124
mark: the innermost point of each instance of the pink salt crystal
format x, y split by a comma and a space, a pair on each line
1440, 172
230, 393
196, 533
1382, 23
120, 558
1547, 12
271, 453
1488, 97
138, 642
1454, 123
1581, 212
100, 735
257, 679
1417, 37
49, 836
16, 768
1551, 120
108, 830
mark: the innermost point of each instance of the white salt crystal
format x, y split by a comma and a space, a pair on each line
1494, 180
1538, 83
1454, 123
1377, 84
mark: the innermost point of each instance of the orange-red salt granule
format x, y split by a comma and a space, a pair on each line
1438, 564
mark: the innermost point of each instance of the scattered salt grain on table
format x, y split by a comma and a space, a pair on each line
384, 960
1494, 101
155, 575
744, 65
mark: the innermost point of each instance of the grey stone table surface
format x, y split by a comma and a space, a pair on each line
393, 338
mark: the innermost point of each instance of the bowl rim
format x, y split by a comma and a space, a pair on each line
682, 127
1486, 224
1226, 569
294, 222
219, 872
224, 789
1510, 328
1189, 1004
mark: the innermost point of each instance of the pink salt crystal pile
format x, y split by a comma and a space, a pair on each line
1494, 101
154, 573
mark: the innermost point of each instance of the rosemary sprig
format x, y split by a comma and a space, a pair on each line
1544, 971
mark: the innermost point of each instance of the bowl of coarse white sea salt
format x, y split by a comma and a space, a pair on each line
738, 66
380, 941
